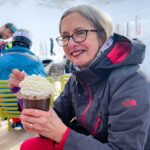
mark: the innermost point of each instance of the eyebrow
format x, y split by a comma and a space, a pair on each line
75, 30
64, 33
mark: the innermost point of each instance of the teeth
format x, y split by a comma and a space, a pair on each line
76, 53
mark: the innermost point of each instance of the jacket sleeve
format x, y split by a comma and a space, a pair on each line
129, 112
128, 120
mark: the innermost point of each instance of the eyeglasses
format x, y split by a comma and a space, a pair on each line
78, 37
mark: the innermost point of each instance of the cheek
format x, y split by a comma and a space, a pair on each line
92, 53
66, 51
7, 31
96, 44
93, 48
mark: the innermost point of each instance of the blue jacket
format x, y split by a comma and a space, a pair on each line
21, 58
110, 100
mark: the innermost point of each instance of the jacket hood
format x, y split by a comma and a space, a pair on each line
123, 52
19, 49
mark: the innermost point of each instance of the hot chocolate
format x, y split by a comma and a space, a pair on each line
36, 92
42, 104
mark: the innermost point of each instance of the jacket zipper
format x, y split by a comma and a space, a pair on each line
96, 124
83, 116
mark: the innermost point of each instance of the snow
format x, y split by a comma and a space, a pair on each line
43, 20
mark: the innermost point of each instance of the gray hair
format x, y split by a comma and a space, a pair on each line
97, 18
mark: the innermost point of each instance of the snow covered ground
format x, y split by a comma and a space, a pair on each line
43, 21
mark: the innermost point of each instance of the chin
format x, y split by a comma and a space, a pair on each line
81, 65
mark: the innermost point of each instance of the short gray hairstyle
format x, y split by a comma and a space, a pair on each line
97, 18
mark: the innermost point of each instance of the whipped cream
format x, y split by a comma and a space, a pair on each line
36, 87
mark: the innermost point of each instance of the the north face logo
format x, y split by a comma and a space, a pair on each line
129, 102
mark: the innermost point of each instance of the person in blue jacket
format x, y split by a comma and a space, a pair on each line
105, 104
19, 56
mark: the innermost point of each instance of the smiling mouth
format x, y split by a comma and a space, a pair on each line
77, 53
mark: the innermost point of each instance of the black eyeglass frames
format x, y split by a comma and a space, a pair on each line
78, 36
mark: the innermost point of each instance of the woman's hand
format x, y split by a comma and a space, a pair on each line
47, 124
15, 78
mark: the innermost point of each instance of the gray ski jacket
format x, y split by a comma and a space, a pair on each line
110, 100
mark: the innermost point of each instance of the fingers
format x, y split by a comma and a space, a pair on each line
27, 126
33, 115
15, 78
33, 112
33, 119
18, 73
12, 83
47, 124
27, 120
30, 127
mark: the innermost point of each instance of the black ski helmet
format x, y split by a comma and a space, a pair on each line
22, 37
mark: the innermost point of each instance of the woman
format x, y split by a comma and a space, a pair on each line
107, 93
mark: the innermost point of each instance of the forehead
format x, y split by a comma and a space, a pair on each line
73, 22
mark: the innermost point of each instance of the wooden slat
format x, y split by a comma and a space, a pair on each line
8, 103
13, 112
3, 81
7, 95
5, 90
3, 85
8, 100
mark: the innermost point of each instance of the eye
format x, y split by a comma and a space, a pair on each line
64, 37
80, 33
